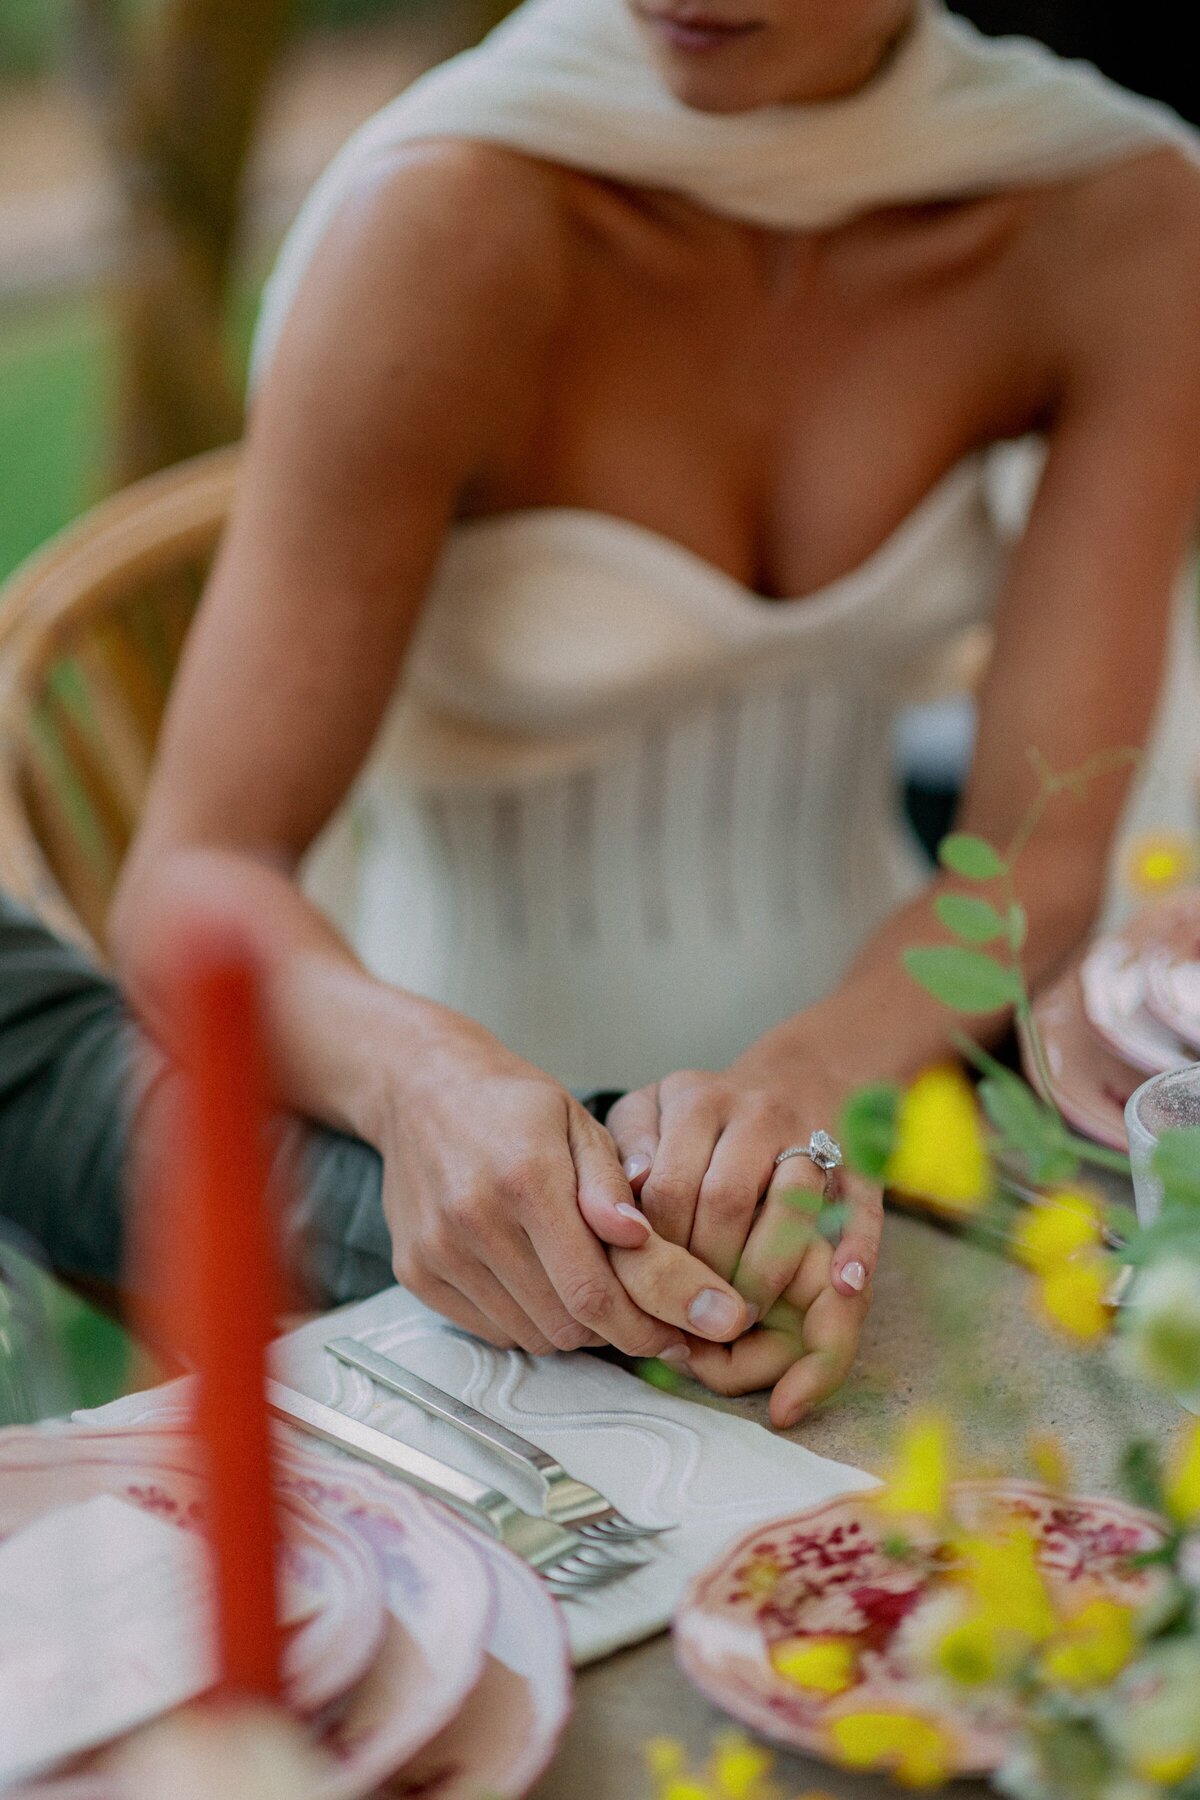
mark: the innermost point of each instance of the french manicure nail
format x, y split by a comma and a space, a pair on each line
714, 1314
678, 1356
631, 1212
855, 1276
635, 1165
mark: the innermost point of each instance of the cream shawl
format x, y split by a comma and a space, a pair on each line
953, 113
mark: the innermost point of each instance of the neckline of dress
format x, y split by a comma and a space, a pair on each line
691, 578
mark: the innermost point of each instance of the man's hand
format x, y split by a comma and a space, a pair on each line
497, 1187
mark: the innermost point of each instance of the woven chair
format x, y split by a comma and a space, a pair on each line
91, 629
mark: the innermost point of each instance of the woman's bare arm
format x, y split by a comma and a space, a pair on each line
418, 331
1081, 632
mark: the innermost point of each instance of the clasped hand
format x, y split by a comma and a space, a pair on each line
513, 1213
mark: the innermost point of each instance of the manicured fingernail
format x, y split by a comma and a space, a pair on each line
714, 1314
677, 1355
855, 1276
793, 1418
631, 1212
635, 1165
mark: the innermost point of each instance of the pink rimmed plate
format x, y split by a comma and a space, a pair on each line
1173, 990
477, 1709
827, 1573
1088, 1082
431, 1572
331, 1588
1115, 980
507, 1733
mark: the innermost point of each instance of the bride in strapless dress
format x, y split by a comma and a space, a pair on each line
621, 464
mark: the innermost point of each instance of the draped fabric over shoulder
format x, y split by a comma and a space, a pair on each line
623, 811
953, 113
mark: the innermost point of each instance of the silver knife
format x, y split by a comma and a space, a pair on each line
557, 1553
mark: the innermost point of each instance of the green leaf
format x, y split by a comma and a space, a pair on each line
971, 857
1018, 927
1013, 1108
1027, 1125
867, 1128
1174, 1235
1141, 1474
973, 920
964, 980
1176, 1162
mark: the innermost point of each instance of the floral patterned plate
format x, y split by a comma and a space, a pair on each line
826, 1573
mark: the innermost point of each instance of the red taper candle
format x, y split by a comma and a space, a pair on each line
225, 1288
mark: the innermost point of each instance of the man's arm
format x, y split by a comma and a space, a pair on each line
77, 1079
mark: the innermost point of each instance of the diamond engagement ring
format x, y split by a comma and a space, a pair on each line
821, 1150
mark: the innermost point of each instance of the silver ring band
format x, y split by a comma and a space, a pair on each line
820, 1150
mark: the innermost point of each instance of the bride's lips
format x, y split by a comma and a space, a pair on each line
691, 31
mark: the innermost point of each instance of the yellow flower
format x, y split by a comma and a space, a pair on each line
919, 1478
1003, 1577
1160, 861
1061, 1241
1074, 1298
824, 1664
738, 1771
971, 1653
914, 1749
1183, 1482
739, 1768
1063, 1226
1049, 1460
1167, 1767
1092, 1647
939, 1153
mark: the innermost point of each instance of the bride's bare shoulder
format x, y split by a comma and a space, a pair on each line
1134, 225
1115, 257
470, 227
467, 186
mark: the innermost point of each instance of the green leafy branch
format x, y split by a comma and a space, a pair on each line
981, 972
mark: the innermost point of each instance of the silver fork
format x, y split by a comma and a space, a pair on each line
565, 1500
568, 1566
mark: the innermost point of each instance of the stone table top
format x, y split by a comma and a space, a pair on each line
951, 1326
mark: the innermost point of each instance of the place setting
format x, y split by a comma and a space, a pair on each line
398, 1537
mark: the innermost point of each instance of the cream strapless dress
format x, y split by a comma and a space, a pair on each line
627, 813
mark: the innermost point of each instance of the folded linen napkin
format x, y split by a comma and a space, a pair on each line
661, 1459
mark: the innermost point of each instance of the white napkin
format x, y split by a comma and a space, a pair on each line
661, 1459
91, 1598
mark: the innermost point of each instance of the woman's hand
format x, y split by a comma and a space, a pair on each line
806, 1344
492, 1175
699, 1149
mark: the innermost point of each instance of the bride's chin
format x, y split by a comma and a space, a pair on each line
705, 90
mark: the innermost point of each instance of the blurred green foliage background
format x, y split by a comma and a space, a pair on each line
34, 34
